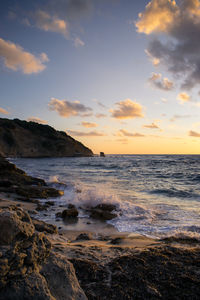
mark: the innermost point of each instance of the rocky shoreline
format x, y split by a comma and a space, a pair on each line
39, 261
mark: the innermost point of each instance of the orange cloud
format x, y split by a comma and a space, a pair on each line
15, 58
123, 132
163, 84
151, 126
36, 120
194, 133
157, 17
3, 111
89, 125
127, 109
47, 22
67, 108
183, 97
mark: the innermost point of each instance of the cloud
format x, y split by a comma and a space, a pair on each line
16, 58
127, 109
183, 97
100, 116
177, 46
67, 108
176, 117
157, 17
81, 133
194, 133
3, 111
151, 126
99, 103
123, 132
163, 84
52, 23
36, 120
89, 125
78, 42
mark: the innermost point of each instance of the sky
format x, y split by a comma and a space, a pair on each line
121, 76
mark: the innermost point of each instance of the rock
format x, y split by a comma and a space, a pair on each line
103, 212
59, 215
29, 268
71, 206
29, 139
44, 227
14, 222
70, 213
106, 207
102, 215
84, 237
61, 279
14, 180
50, 203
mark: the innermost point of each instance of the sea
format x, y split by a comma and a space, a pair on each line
155, 195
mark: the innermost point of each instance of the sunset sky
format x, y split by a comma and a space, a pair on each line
121, 76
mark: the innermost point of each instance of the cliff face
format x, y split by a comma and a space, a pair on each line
28, 139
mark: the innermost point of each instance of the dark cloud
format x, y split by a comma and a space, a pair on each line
123, 132
180, 25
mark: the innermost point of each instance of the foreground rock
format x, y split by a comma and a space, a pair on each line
103, 212
29, 139
149, 274
29, 269
14, 180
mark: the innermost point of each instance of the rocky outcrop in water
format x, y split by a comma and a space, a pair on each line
29, 268
14, 180
29, 139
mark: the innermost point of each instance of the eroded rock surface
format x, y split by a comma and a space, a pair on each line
29, 268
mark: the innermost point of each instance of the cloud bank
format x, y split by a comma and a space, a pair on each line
16, 58
68, 109
179, 24
123, 132
127, 109
194, 133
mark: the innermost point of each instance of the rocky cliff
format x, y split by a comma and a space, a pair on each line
29, 139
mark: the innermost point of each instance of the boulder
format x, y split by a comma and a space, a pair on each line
70, 213
44, 227
29, 268
84, 237
14, 222
103, 211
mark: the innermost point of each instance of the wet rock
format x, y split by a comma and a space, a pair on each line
50, 203
44, 227
116, 241
106, 207
70, 206
70, 213
102, 215
59, 215
103, 212
84, 237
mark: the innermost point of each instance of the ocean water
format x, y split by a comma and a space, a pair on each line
155, 195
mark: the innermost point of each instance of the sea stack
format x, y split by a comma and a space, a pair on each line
102, 154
